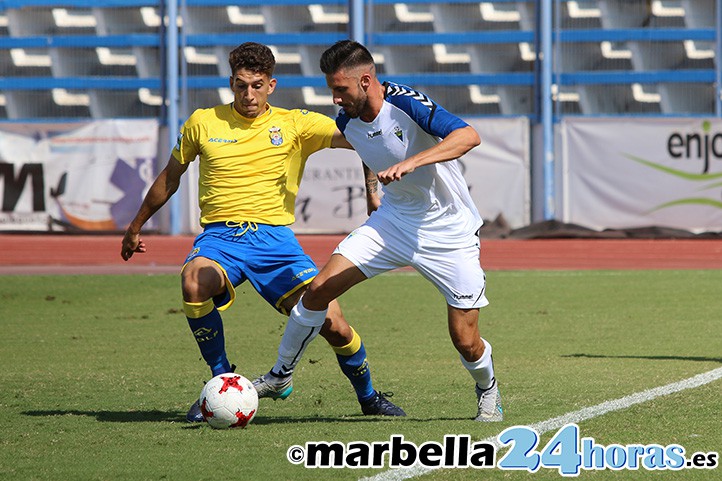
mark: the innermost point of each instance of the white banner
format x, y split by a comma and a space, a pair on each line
625, 173
332, 196
76, 176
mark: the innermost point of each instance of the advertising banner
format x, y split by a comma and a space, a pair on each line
626, 173
89, 176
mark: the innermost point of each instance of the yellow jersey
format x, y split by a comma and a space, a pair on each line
251, 168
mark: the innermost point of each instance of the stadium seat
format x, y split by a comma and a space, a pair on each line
664, 56
699, 13
25, 22
467, 17
590, 56
515, 100
223, 19
498, 57
23, 62
147, 61
458, 100
205, 98
28, 104
680, 98
624, 14
616, 99
203, 61
84, 62
581, 14
401, 17
4, 24
117, 21
120, 104
309, 59
401, 59
301, 18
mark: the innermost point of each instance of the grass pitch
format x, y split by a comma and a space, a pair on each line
98, 372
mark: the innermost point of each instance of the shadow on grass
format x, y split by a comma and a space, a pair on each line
320, 419
156, 416
652, 358
115, 416
171, 416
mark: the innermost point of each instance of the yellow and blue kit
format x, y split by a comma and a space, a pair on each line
250, 172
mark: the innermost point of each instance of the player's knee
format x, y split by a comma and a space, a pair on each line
470, 348
200, 283
318, 296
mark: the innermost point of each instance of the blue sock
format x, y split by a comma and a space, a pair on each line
353, 363
207, 327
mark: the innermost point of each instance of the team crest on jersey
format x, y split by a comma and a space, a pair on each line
276, 136
399, 133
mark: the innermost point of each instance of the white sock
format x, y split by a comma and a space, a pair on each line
302, 327
482, 370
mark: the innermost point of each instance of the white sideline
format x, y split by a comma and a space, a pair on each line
574, 417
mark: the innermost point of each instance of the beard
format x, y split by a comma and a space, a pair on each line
354, 110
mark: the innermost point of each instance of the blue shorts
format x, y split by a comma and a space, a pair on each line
269, 257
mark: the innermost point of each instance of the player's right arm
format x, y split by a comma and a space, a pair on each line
163, 188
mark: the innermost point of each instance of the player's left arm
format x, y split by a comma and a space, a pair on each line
457, 143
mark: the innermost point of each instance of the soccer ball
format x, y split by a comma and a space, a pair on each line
229, 401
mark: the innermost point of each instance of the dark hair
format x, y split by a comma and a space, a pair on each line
345, 54
252, 56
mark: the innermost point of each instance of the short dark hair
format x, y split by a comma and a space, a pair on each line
252, 56
345, 54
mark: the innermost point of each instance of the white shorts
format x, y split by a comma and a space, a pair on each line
380, 246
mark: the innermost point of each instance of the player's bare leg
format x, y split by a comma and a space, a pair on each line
475, 354
350, 351
202, 280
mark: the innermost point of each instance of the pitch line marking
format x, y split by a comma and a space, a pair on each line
574, 417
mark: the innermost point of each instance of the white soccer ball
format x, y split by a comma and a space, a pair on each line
229, 401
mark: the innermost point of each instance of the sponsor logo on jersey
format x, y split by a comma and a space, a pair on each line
178, 141
219, 140
275, 134
375, 134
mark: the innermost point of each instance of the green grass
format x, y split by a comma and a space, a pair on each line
98, 372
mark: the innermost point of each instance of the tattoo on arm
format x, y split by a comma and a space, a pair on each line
372, 182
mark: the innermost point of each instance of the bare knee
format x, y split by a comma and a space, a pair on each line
318, 296
470, 349
202, 279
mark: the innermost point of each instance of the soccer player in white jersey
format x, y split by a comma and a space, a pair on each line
426, 218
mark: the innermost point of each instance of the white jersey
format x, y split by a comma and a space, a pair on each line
434, 199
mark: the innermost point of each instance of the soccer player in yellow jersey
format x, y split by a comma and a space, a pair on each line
252, 157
